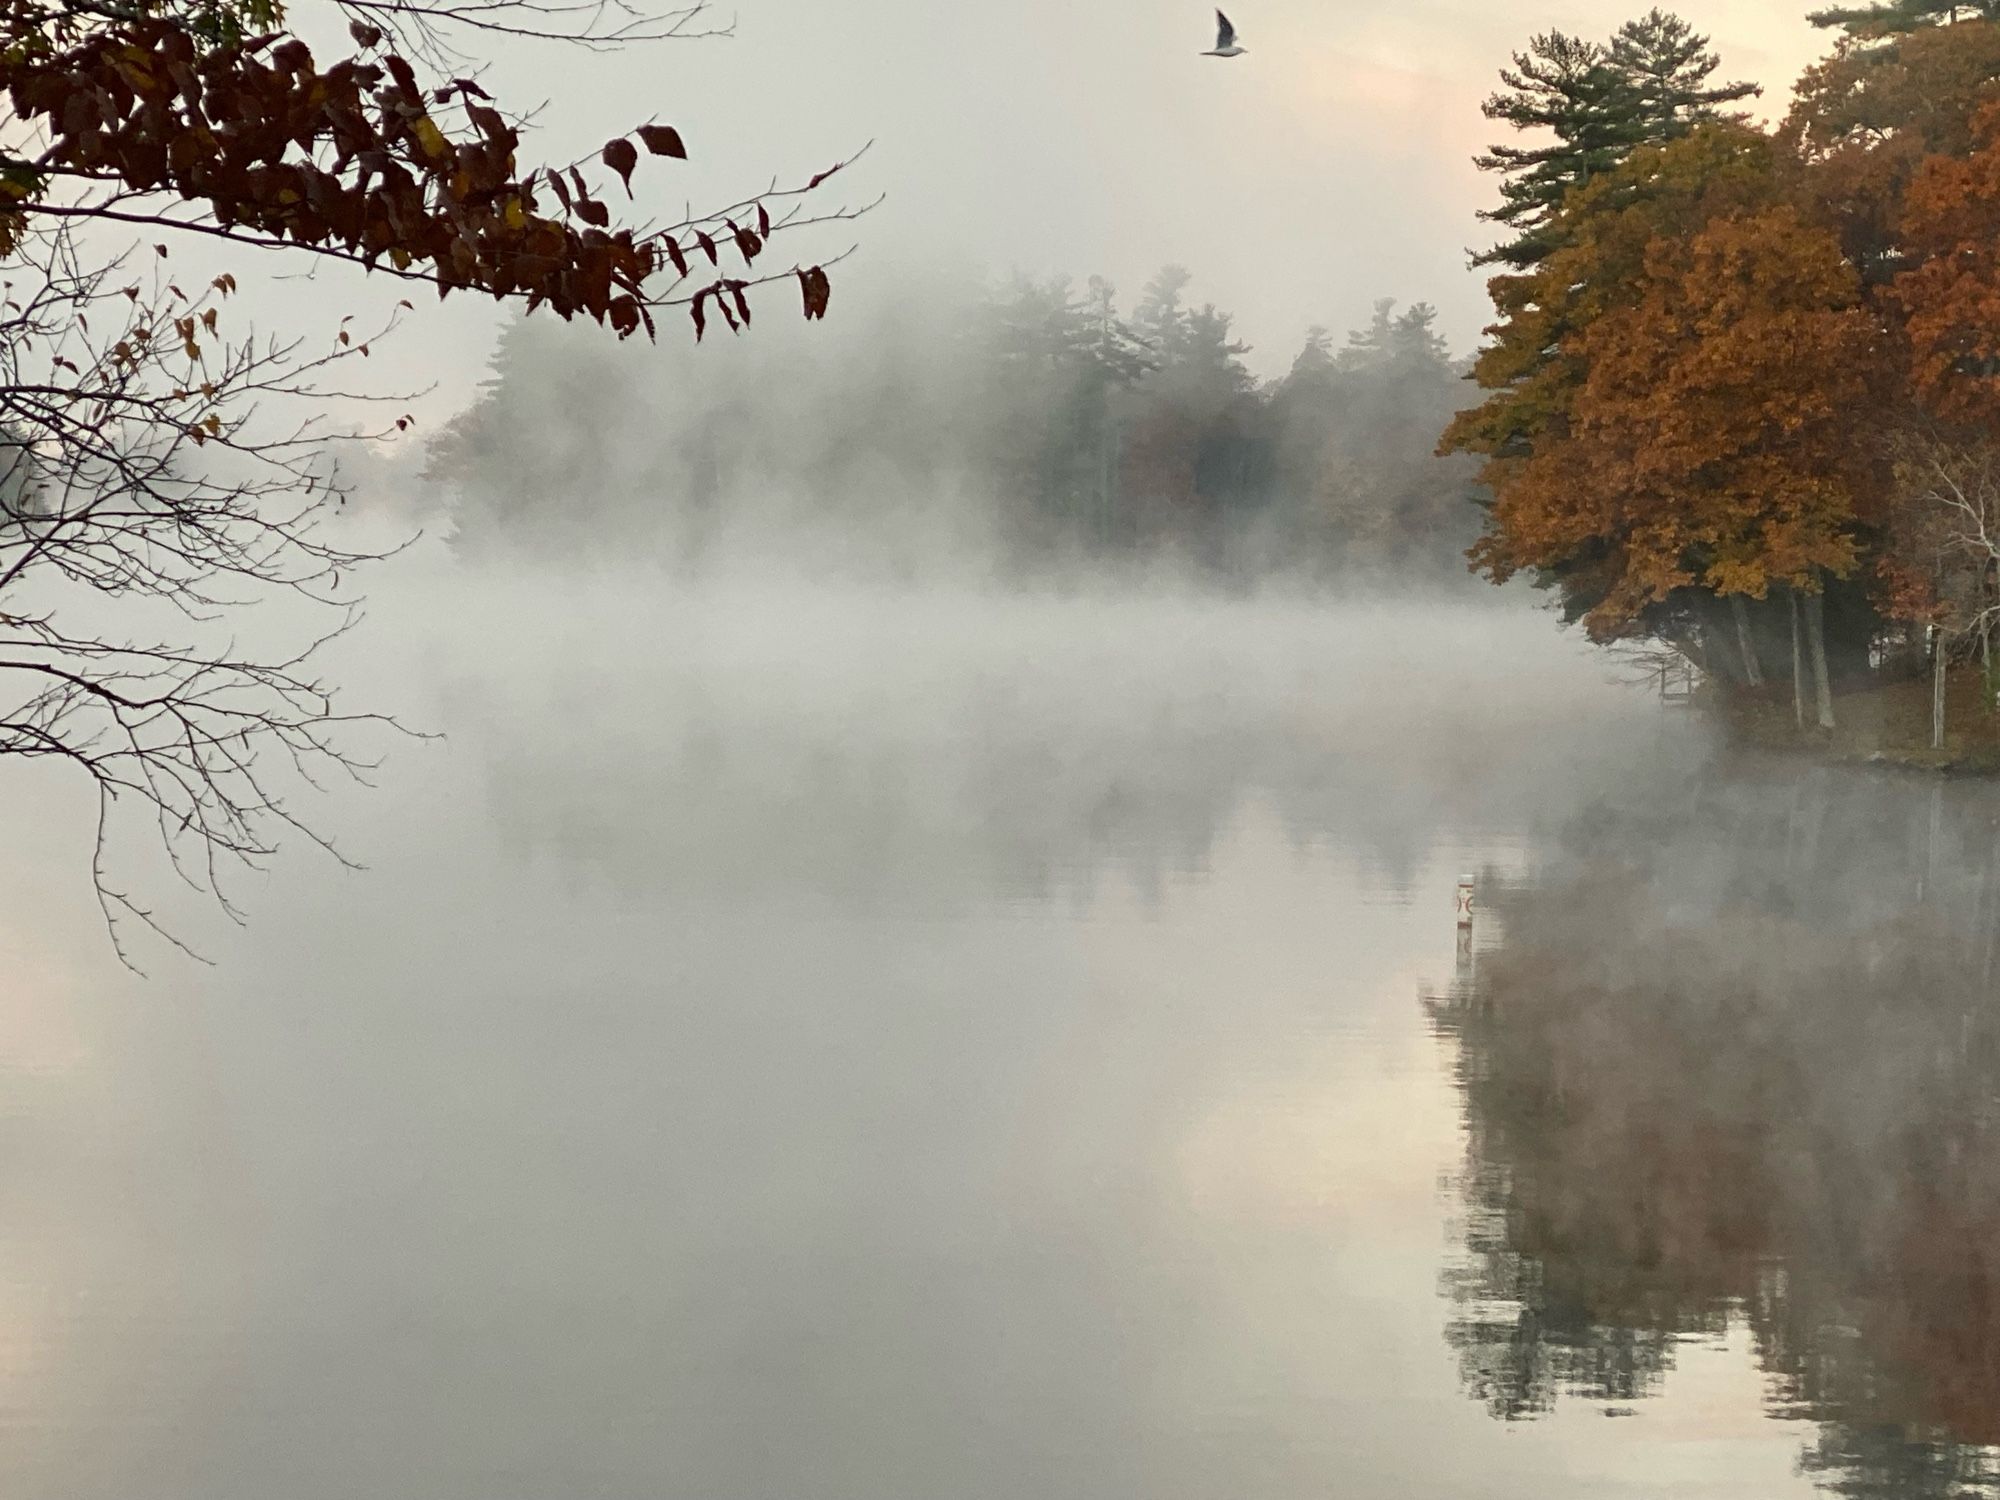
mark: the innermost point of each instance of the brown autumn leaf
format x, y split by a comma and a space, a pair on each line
663, 140
621, 156
817, 291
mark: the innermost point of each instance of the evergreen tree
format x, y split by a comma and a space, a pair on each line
1892, 18
1669, 65
1370, 346
1113, 345
1037, 339
1415, 345
1159, 319
1217, 392
1315, 360
1036, 326
1117, 359
1213, 359
1573, 89
1351, 434
1406, 341
542, 425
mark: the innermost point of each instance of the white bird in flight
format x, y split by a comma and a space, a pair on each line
1225, 39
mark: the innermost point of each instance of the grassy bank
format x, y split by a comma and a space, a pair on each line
1876, 723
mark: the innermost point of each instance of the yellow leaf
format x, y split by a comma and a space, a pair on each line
429, 137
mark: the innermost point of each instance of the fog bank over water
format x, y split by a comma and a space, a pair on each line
871, 737
784, 718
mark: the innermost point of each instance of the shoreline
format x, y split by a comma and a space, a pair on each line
1877, 726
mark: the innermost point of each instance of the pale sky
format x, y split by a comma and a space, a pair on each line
1328, 167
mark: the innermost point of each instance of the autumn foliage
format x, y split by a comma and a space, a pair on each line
1699, 395
1950, 298
361, 161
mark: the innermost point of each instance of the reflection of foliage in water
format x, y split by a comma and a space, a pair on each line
1738, 1059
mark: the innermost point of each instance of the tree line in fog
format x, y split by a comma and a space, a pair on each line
1050, 418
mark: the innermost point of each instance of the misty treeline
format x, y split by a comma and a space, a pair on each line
1743, 381
1030, 419
1732, 1066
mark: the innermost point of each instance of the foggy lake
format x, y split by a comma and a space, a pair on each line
804, 1039
1025, 752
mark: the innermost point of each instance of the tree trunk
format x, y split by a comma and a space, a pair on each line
1798, 662
1753, 673
1816, 641
1939, 656
1720, 658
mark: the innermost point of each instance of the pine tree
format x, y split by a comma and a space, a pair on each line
1315, 360
1211, 357
1415, 344
1892, 18
1370, 345
1117, 360
1669, 65
1112, 345
1408, 340
1159, 319
1037, 326
1571, 88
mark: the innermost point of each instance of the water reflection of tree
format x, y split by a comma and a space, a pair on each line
1738, 1061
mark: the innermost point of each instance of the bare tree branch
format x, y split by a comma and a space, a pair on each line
144, 463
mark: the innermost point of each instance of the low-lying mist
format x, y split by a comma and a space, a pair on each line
751, 729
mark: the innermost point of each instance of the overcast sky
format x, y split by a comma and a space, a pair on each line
1328, 167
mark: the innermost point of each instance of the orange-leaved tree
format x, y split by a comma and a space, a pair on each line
1557, 507
1950, 294
1697, 407
1711, 445
1865, 119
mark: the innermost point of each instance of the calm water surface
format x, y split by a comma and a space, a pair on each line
839, 1045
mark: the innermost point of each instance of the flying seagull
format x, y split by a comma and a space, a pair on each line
1225, 39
